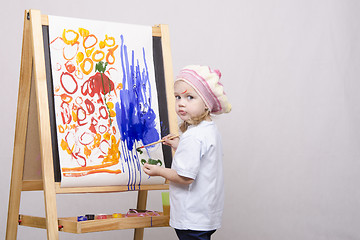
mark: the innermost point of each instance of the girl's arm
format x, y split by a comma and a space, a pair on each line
170, 174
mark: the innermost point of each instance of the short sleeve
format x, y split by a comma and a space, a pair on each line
187, 157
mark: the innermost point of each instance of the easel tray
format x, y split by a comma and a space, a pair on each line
71, 225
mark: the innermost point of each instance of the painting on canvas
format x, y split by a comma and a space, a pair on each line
105, 102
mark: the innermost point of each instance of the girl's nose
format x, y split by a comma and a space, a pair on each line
181, 103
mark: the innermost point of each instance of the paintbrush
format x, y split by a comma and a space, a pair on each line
160, 141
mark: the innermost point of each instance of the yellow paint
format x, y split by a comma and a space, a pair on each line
98, 55
79, 57
87, 151
74, 115
71, 41
84, 32
109, 39
89, 51
113, 155
64, 145
107, 136
102, 44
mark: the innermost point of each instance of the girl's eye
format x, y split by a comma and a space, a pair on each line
190, 97
177, 97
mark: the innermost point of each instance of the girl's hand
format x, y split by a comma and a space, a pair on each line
152, 170
168, 173
172, 142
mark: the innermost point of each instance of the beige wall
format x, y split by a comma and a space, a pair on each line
291, 143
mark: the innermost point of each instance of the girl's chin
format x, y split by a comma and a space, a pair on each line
184, 118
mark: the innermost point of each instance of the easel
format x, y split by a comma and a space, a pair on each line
33, 96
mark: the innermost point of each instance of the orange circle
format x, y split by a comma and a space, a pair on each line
72, 41
97, 52
87, 38
82, 66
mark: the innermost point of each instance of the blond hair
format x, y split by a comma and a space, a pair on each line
194, 121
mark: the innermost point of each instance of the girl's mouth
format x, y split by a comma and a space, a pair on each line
182, 112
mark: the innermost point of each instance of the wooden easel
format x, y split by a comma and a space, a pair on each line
33, 95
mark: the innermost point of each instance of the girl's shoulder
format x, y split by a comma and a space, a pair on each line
201, 126
202, 130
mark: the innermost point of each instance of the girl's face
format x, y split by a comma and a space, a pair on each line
188, 104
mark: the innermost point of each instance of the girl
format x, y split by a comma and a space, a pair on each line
196, 178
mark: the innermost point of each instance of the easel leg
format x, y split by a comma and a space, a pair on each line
20, 134
44, 126
141, 204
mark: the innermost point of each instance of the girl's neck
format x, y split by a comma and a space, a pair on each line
208, 118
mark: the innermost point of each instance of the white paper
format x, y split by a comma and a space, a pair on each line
103, 116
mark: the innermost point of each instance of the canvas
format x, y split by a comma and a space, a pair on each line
105, 102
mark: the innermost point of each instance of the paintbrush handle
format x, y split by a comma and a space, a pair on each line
160, 141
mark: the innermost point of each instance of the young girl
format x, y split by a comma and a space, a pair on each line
196, 177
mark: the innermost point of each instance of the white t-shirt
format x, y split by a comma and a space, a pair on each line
198, 206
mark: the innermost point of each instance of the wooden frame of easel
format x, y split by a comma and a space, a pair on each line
32, 75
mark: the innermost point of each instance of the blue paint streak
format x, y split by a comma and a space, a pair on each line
134, 114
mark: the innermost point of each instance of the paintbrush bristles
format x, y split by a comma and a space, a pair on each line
160, 141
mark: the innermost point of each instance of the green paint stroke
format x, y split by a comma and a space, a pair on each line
101, 68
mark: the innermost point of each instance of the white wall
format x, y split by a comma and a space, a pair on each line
290, 69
